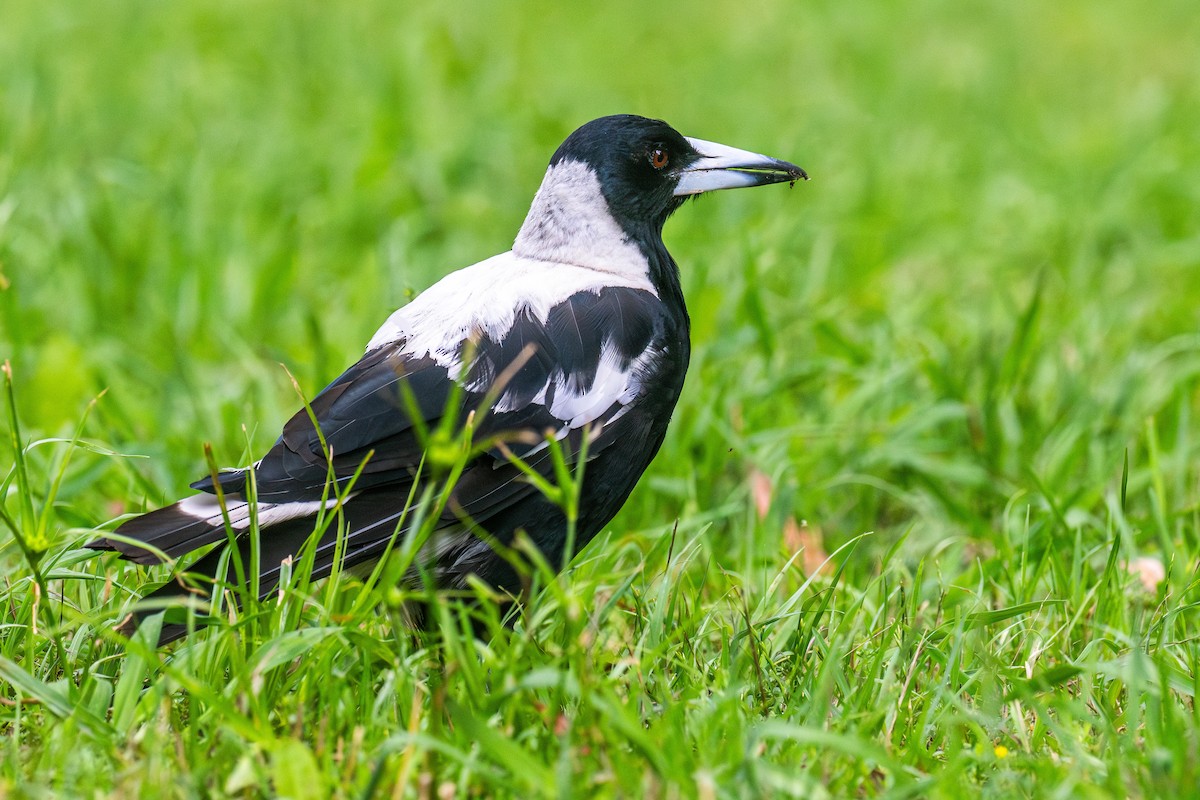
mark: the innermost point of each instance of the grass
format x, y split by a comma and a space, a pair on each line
943, 404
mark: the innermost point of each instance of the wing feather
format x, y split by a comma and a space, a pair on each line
589, 358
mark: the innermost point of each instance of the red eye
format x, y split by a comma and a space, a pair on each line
659, 158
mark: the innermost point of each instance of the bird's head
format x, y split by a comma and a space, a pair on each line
614, 182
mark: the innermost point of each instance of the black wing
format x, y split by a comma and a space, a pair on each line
577, 368
605, 360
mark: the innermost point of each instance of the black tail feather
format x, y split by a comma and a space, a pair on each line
285, 541
369, 519
173, 530
278, 543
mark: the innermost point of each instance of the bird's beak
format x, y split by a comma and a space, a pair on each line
724, 167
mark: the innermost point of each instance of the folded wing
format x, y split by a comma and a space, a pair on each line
578, 371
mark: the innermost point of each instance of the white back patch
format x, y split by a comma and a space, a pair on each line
569, 243
485, 298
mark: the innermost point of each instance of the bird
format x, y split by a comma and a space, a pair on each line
570, 348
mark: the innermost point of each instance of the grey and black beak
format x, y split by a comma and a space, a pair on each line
724, 167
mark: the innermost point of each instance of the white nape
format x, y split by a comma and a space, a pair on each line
569, 222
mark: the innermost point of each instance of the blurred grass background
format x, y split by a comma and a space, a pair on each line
987, 298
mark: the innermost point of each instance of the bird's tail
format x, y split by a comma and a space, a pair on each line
284, 529
180, 528
285, 541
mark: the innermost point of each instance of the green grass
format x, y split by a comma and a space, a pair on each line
966, 355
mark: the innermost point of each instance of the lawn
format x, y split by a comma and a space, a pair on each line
927, 521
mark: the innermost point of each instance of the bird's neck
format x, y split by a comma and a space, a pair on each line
569, 222
662, 270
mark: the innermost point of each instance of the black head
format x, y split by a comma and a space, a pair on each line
612, 184
646, 168
638, 162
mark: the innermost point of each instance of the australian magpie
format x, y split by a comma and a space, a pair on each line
578, 333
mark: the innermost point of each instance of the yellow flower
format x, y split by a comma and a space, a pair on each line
1001, 751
